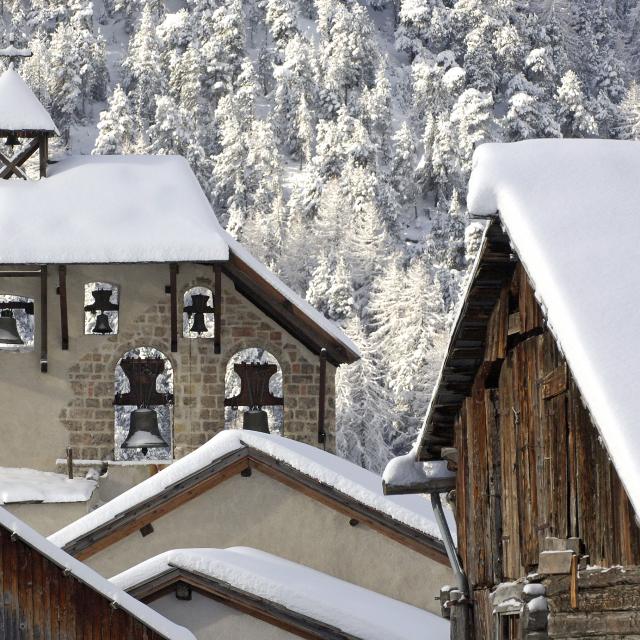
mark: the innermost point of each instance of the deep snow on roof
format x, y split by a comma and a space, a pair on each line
348, 607
346, 477
572, 211
92, 579
103, 209
30, 485
19, 107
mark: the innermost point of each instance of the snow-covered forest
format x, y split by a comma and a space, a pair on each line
335, 137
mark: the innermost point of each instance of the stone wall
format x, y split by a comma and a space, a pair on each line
199, 376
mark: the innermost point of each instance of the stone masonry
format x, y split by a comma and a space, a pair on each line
199, 377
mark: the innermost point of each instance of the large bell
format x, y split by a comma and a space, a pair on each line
102, 324
12, 140
144, 432
199, 308
255, 420
9, 329
198, 325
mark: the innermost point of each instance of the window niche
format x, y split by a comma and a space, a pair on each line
198, 320
146, 384
17, 323
233, 413
101, 308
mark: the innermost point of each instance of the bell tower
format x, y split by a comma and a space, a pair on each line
23, 120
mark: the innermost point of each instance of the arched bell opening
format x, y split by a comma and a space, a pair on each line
101, 308
143, 421
253, 392
198, 319
17, 325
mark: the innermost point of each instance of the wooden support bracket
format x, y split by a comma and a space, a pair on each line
44, 365
217, 307
173, 285
13, 165
62, 292
322, 393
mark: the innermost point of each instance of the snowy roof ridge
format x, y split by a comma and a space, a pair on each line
321, 466
567, 206
352, 609
92, 579
20, 109
31, 485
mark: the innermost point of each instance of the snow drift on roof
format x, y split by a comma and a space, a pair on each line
572, 211
30, 485
350, 608
99, 209
19, 107
92, 579
344, 476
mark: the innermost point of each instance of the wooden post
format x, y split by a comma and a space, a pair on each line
217, 307
70, 463
43, 319
62, 292
173, 285
322, 392
44, 154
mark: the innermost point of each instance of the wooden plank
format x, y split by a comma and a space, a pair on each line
173, 285
494, 464
555, 382
44, 365
217, 307
43, 146
62, 291
322, 394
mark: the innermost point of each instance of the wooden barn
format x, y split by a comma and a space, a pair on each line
535, 406
48, 594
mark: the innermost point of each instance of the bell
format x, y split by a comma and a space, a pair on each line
12, 140
255, 420
198, 325
9, 329
144, 432
102, 324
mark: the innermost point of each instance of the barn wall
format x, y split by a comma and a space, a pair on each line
39, 601
531, 462
72, 405
266, 514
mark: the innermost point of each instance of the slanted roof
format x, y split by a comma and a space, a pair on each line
323, 475
571, 211
305, 598
90, 578
20, 110
30, 485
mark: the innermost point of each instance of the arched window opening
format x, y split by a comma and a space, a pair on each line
197, 317
253, 383
17, 326
143, 406
101, 308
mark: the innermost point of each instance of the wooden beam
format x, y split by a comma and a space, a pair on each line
44, 154
173, 285
62, 292
20, 273
322, 394
217, 307
44, 365
13, 165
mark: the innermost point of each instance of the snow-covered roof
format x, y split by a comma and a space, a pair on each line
572, 211
105, 209
31, 485
352, 609
88, 576
407, 471
20, 110
326, 468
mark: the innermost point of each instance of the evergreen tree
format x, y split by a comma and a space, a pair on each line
116, 129
575, 120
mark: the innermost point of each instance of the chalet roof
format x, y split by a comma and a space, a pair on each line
89, 577
288, 590
331, 477
20, 110
30, 485
571, 211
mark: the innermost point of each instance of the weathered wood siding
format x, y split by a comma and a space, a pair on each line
531, 462
40, 602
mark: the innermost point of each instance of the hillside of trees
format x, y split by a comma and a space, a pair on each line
335, 139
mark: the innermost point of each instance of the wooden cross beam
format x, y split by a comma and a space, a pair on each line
13, 165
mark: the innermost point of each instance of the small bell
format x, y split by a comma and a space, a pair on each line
9, 333
102, 324
144, 432
12, 140
255, 420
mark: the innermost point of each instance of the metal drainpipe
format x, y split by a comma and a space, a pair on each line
452, 553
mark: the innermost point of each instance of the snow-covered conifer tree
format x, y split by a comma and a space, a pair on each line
116, 128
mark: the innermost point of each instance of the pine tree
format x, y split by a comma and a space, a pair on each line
575, 120
281, 18
629, 124
116, 129
402, 166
